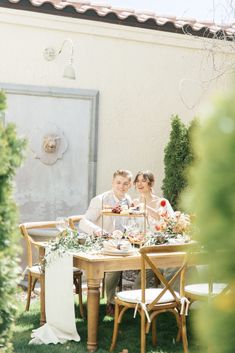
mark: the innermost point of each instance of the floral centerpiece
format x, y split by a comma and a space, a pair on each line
170, 229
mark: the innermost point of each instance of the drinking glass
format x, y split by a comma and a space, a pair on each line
130, 227
117, 236
61, 223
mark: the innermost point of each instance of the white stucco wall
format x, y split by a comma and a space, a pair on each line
143, 77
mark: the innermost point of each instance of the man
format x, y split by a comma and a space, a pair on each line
91, 223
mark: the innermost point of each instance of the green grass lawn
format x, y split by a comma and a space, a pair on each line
129, 334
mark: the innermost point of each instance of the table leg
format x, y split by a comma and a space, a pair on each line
93, 303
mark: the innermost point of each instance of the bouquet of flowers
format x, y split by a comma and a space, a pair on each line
170, 229
177, 224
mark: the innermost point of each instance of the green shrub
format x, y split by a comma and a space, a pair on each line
178, 156
212, 198
11, 155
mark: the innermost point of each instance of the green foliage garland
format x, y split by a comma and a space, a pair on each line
178, 156
73, 241
11, 152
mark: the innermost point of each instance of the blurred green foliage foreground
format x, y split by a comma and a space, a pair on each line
212, 198
11, 156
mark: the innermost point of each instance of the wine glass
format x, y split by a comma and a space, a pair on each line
130, 228
61, 223
117, 235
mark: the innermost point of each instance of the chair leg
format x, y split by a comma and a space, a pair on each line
120, 283
143, 334
154, 333
115, 328
78, 289
80, 298
29, 292
184, 333
34, 283
179, 324
103, 287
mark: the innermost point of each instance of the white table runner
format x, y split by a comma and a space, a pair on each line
59, 299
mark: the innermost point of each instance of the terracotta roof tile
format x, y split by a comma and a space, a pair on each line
145, 12
142, 18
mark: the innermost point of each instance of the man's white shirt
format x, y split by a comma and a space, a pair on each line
92, 220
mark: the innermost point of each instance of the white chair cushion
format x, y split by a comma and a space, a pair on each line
134, 296
203, 288
45, 232
35, 269
76, 269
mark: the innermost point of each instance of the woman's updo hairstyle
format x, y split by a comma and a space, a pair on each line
147, 175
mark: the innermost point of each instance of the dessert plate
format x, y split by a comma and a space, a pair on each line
118, 252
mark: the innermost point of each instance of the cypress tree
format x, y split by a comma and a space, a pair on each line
178, 156
11, 154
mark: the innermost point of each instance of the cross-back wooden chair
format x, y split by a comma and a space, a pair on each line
73, 220
35, 272
150, 302
206, 290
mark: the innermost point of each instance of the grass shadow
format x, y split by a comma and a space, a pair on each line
129, 334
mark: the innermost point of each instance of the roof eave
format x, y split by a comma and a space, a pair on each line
68, 10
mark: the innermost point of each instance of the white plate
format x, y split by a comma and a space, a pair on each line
119, 252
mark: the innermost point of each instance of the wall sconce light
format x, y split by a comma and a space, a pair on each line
50, 54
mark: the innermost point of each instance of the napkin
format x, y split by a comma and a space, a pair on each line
114, 245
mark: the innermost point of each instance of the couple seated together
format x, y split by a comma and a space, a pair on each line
91, 223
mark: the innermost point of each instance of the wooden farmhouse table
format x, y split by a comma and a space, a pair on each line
95, 266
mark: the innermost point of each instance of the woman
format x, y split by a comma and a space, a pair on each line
156, 208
